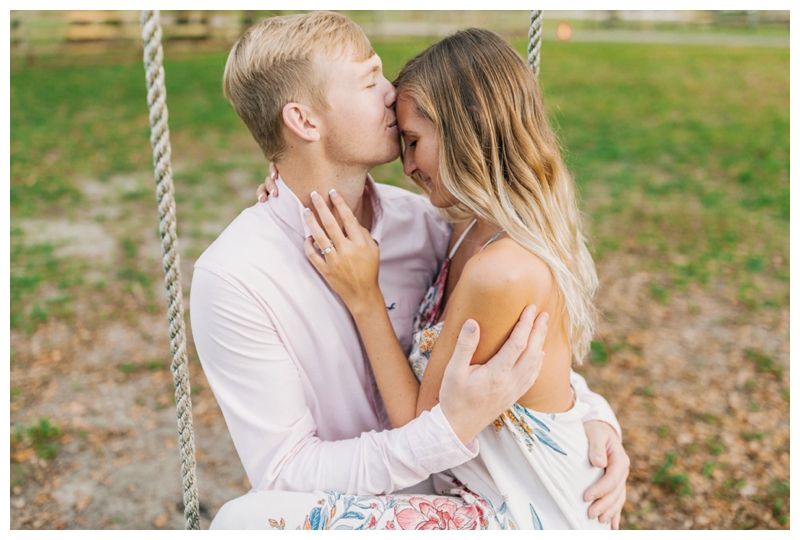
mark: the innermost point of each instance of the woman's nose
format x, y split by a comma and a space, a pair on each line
409, 167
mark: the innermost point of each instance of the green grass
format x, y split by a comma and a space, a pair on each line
42, 435
680, 151
765, 363
598, 353
680, 154
752, 436
128, 367
715, 445
675, 482
34, 266
778, 494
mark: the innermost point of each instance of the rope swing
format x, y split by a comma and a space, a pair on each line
165, 194
167, 226
535, 41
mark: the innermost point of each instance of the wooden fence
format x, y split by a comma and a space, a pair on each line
50, 31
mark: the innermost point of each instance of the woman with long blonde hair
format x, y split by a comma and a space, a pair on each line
477, 141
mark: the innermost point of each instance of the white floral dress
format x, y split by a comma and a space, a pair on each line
533, 464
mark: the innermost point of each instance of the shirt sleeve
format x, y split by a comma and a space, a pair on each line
599, 409
262, 397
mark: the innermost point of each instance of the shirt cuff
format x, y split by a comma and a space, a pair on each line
610, 420
435, 444
599, 409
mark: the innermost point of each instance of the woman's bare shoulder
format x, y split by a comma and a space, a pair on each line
495, 287
505, 269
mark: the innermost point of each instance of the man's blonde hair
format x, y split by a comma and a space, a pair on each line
273, 63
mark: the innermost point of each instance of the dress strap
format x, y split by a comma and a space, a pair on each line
492, 239
461, 238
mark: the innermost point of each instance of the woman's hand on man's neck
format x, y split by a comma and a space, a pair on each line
303, 176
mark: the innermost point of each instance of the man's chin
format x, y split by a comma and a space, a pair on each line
388, 156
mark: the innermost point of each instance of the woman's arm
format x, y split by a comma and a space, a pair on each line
493, 290
351, 269
396, 381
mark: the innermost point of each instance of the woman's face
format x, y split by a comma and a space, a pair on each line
421, 150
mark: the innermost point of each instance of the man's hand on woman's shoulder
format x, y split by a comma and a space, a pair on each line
473, 396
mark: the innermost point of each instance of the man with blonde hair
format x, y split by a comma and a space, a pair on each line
279, 348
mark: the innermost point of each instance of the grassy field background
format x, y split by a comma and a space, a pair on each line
681, 155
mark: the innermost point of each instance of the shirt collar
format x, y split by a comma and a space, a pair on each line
288, 208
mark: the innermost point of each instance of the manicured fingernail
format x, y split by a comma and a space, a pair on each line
314, 196
262, 197
333, 193
470, 326
306, 212
274, 192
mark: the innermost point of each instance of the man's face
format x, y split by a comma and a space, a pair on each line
360, 128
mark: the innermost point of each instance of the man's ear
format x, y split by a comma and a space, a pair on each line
301, 120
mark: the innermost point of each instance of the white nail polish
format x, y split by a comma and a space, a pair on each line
314, 196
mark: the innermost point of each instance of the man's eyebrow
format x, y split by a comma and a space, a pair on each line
375, 69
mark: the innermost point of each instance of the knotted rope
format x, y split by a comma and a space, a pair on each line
165, 194
535, 41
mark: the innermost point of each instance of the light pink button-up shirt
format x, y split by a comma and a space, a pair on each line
285, 362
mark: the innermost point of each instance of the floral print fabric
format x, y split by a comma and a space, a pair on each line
461, 510
431, 307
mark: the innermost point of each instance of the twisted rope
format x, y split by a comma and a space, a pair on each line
535, 41
165, 194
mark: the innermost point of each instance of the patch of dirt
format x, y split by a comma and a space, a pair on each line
74, 239
118, 466
706, 381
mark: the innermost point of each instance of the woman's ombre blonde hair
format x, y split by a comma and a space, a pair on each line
499, 158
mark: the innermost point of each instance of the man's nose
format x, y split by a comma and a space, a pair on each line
391, 95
